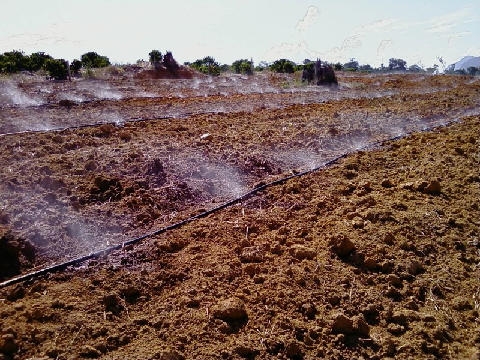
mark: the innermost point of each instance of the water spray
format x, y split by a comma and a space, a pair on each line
74, 262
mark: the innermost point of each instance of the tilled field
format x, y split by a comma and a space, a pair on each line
375, 256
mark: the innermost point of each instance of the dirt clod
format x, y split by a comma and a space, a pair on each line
342, 245
8, 344
301, 252
252, 254
433, 187
113, 303
342, 324
230, 310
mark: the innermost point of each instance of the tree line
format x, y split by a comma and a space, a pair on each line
60, 69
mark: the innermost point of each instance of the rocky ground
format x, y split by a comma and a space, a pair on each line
374, 256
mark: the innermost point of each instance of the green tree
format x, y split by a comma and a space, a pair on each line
37, 60
338, 66
207, 65
155, 57
14, 61
352, 65
397, 64
75, 67
57, 68
93, 60
242, 66
283, 66
366, 68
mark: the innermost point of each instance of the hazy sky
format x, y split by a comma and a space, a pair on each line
126, 30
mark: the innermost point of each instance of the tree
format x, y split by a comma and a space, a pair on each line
37, 60
75, 67
207, 65
283, 66
338, 66
415, 68
155, 57
366, 68
57, 68
93, 60
14, 61
352, 65
397, 64
243, 66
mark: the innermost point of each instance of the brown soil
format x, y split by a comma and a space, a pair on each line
376, 256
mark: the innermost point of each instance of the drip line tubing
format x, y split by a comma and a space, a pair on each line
259, 188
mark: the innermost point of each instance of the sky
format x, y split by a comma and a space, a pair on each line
371, 32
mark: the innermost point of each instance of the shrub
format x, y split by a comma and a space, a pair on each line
283, 66
415, 68
397, 64
57, 69
207, 65
93, 60
37, 60
242, 66
224, 68
352, 65
155, 56
75, 67
366, 68
14, 61
338, 66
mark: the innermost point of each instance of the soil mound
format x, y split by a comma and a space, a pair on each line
163, 73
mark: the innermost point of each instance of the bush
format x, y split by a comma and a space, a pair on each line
338, 66
352, 65
57, 69
366, 68
93, 60
75, 67
14, 61
283, 66
415, 68
397, 64
37, 60
155, 57
242, 66
207, 65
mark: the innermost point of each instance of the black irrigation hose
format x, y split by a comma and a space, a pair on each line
97, 254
